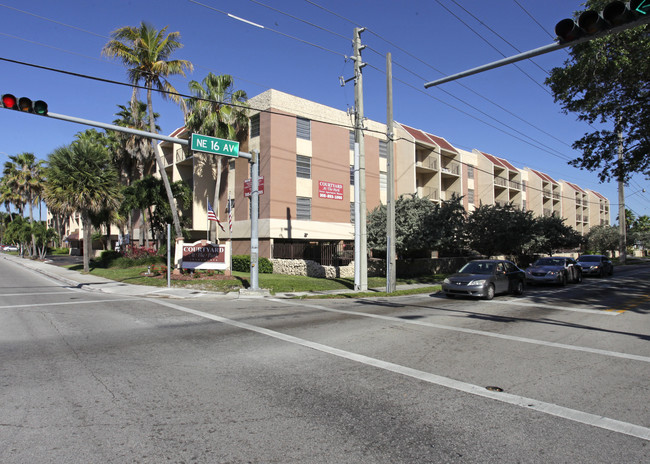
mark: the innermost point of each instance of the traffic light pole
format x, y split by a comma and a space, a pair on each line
536, 52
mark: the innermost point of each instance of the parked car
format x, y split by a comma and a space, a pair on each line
554, 270
10, 248
485, 278
597, 265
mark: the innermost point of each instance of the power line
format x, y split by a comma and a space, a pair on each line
491, 45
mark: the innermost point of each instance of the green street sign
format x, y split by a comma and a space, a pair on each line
215, 146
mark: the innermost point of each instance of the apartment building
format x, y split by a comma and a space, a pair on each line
306, 162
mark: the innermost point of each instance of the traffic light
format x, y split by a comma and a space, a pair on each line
613, 15
24, 104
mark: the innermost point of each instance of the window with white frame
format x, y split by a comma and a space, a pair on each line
383, 181
470, 196
470, 172
303, 208
351, 174
352, 140
352, 212
303, 167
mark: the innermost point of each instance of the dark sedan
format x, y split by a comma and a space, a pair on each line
484, 278
554, 270
597, 265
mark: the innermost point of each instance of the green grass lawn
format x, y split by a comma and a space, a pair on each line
276, 283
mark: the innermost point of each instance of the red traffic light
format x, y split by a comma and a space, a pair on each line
9, 101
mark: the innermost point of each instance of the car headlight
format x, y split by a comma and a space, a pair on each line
477, 282
446, 281
553, 273
528, 271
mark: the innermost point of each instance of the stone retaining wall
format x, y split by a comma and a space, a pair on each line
305, 267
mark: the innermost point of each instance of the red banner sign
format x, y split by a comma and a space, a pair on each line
330, 190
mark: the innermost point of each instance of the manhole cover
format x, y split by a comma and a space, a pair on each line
494, 389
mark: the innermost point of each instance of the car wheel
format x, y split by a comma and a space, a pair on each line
519, 288
490, 292
578, 278
602, 273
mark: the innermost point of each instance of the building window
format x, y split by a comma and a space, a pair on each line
303, 167
470, 196
303, 208
523, 205
470, 172
351, 174
303, 128
383, 181
231, 165
352, 140
383, 149
255, 125
523, 186
352, 212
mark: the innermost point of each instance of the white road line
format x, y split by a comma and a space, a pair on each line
616, 354
37, 294
521, 401
561, 308
64, 303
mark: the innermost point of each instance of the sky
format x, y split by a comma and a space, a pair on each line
302, 47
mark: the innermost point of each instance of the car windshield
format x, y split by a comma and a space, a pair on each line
477, 268
549, 262
589, 259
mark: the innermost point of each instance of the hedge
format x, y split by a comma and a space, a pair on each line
242, 263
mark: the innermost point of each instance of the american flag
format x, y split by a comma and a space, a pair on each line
229, 213
213, 217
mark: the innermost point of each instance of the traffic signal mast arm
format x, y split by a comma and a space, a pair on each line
590, 26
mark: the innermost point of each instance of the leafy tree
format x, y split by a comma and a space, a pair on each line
640, 231
146, 53
44, 235
81, 177
495, 230
602, 239
217, 110
607, 80
447, 225
555, 235
411, 235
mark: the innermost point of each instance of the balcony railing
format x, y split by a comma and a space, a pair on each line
429, 162
429, 192
515, 185
451, 168
500, 181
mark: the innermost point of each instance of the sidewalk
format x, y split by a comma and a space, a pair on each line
99, 284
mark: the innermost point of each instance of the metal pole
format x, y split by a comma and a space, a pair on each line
169, 255
622, 248
390, 187
358, 103
357, 228
254, 221
537, 51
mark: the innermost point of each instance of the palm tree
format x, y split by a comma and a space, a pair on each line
220, 111
132, 154
81, 177
23, 173
145, 51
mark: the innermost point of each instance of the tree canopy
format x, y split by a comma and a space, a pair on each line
607, 81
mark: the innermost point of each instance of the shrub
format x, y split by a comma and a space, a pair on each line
242, 263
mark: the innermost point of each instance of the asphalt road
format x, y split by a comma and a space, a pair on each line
90, 377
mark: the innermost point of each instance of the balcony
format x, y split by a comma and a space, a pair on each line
428, 163
514, 185
428, 192
500, 181
451, 169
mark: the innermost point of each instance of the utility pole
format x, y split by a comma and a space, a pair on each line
360, 242
390, 187
622, 251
